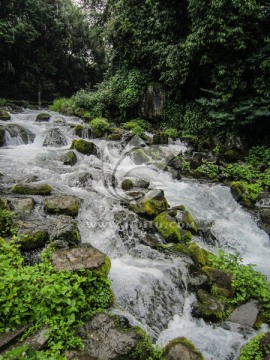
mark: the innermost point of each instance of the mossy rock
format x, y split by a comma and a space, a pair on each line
64, 232
4, 115
167, 227
99, 126
65, 204
239, 193
181, 348
32, 189
208, 307
188, 222
115, 134
32, 239
43, 117
232, 155
127, 184
160, 139
69, 158
84, 147
199, 255
139, 157
83, 131
103, 270
2, 136
151, 205
221, 279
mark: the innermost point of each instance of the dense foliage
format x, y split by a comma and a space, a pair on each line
46, 46
43, 296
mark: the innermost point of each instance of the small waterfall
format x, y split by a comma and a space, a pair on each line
152, 287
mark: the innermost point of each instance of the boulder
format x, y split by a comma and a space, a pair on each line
2, 136
31, 235
55, 138
32, 189
208, 307
264, 222
4, 115
141, 183
83, 257
64, 231
167, 227
83, 131
221, 279
69, 158
127, 184
246, 314
22, 205
181, 349
84, 147
139, 157
151, 205
199, 255
185, 219
64, 204
43, 117
160, 138
19, 133
115, 134
103, 340
239, 193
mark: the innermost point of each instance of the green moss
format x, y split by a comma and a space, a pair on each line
144, 349
210, 307
4, 115
140, 157
100, 126
127, 184
239, 192
71, 209
104, 270
181, 247
149, 208
2, 241
189, 222
84, 147
221, 281
171, 132
32, 189
32, 240
187, 344
135, 123
137, 130
199, 255
43, 117
115, 134
167, 227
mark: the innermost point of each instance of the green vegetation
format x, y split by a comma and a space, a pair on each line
41, 295
247, 282
144, 350
208, 169
253, 350
8, 223
171, 132
99, 126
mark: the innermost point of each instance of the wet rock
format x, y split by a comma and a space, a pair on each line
208, 307
234, 148
83, 179
2, 136
43, 117
167, 227
151, 205
31, 235
139, 157
65, 204
69, 158
176, 174
4, 115
127, 184
160, 138
84, 147
264, 222
21, 205
8, 339
181, 349
55, 138
23, 135
64, 232
239, 193
104, 341
141, 183
81, 257
115, 134
221, 279
151, 240
176, 162
199, 255
246, 314
32, 189
83, 131
196, 278
186, 220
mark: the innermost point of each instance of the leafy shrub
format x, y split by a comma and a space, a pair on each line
241, 172
171, 132
252, 350
258, 155
137, 130
63, 105
247, 282
41, 295
129, 125
7, 223
208, 169
99, 126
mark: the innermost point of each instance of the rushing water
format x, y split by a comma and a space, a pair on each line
151, 287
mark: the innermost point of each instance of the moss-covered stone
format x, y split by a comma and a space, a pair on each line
32, 239
181, 348
232, 155
221, 279
151, 205
208, 307
240, 195
127, 184
140, 157
115, 134
199, 255
65, 204
167, 227
103, 270
82, 131
84, 147
43, 117
4, 115
32, 189
69, 158
188, 222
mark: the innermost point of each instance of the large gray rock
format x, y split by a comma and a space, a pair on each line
246, 314
104, 341
19, 134
81, 257
65, 204
69, 158
208, 307
32, 235
32, 189
64, 231
55, 138
4, 115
